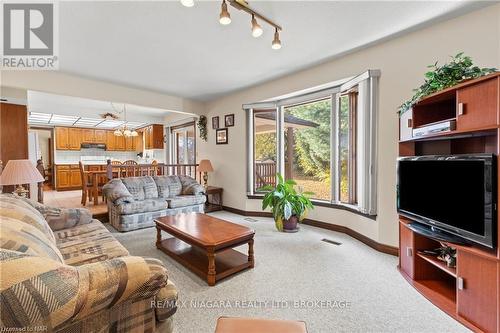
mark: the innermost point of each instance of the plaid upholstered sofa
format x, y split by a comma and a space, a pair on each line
135, 202
62, 271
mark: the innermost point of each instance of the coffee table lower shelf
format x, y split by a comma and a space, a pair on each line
227, 262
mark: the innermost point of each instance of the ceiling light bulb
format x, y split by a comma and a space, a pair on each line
256, 28
117, 132
134, 133
127, 132
187, 3
225, 17
276, 45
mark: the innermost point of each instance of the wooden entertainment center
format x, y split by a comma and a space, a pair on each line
470, 293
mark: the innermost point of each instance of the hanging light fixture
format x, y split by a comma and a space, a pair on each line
187, 3
124, 130
225, 17
276, 45
256, 28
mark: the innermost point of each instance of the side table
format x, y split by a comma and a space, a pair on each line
214, 199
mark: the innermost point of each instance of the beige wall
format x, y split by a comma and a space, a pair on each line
402, 62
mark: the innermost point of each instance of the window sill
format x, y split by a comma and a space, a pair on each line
319, 203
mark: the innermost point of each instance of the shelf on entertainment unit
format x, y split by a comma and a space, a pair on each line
438, 263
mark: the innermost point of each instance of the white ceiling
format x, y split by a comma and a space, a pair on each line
69, 109
166, 47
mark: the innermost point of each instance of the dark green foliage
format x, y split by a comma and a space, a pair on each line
460, 68
202, 126
284, 200
312, 145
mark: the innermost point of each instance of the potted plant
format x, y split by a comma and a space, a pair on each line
288, 205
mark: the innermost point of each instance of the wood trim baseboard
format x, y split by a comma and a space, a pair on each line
388, 249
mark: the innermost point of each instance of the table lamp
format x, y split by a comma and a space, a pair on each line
205, 166
18, 172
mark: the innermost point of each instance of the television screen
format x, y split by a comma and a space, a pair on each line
453, 193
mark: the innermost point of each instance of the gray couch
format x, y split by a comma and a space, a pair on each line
134, 203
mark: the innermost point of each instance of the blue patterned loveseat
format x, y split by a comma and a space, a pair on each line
135, 202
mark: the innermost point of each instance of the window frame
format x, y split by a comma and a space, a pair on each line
364, 204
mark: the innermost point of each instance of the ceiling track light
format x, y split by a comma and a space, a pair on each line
256, 28
257, 31
276, 45
225, 17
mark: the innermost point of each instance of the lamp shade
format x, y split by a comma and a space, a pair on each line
205, 166
18, 172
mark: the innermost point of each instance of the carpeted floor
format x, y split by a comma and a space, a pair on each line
360, 288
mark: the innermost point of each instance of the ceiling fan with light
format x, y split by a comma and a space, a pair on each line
225, 19
123, 130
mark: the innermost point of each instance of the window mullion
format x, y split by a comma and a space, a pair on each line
334, 161
280, 139
250, 152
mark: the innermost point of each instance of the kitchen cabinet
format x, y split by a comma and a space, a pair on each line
153, 136
75, 138
68, 138
87, 135
110, 140
130, 143
119, 143
68, 177
62, 138
100, 136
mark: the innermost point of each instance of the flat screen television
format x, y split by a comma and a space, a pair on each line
454, 194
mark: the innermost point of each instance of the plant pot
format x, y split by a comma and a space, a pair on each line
290, 225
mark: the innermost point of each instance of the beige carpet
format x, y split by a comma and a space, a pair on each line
346, 288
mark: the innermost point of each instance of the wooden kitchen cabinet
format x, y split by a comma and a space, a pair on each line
62, 138
477, 105
87, 135
68, 177
130, 143
75, 138
119, 143
100, 136
110, 140
153, 136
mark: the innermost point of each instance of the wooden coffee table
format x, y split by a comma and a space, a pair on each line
204, 244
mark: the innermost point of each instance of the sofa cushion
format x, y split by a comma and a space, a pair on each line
117, 192
168, 186
17, 209
23, 237
186, 200
190, 186
88, 243
150, 189
148, 205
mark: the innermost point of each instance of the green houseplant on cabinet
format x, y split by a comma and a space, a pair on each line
288, 205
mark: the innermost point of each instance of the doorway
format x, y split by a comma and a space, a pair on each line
184, 143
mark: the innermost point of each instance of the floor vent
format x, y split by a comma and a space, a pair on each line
249, 219
331, 241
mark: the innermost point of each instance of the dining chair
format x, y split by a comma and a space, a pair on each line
130, 170
86, 184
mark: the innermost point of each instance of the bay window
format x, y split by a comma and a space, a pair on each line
324, 138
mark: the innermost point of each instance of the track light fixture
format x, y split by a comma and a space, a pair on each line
276, 45
257, 31
187, 3
256, 28
225, 17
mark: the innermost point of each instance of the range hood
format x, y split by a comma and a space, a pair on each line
90, 145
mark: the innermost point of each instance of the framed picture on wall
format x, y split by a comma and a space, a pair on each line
221, 137
229, 120
215, 122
